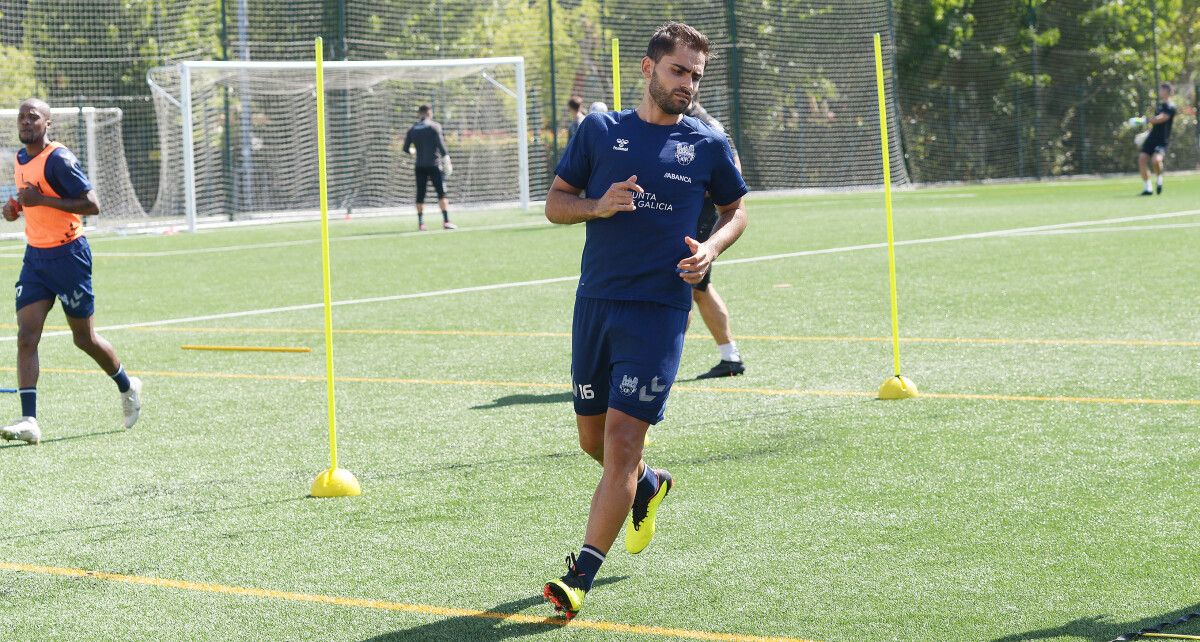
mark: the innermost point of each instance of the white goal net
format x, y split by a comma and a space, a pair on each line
94, 135
238, 139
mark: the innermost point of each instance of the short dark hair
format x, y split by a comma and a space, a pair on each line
1167, 86
575, 103
673, 34
424, 109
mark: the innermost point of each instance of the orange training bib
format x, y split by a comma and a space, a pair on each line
45, 226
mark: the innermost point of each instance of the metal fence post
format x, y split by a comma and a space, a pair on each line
552, 114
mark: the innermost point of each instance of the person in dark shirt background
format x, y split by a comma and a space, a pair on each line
575, 115
431, 159
1155, 148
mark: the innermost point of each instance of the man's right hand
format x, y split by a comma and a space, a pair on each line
11, 210
618, 198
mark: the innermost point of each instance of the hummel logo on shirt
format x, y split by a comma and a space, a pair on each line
622, 145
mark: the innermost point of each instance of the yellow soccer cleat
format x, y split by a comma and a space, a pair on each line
639, 526
566, 593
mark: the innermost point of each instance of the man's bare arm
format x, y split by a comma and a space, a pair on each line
731, 222
564, 205
86, 205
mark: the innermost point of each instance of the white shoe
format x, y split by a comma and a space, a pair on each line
131, 402
24, 429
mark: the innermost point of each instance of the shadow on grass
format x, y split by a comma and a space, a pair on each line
526, 400
1096, 628
472, 465
489, 627
44, 442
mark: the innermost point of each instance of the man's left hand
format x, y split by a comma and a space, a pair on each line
693, 268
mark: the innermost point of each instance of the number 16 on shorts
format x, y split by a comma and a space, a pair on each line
584, 391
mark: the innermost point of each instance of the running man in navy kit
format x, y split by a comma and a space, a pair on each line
638, 179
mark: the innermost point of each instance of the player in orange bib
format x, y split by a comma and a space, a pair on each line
53, 193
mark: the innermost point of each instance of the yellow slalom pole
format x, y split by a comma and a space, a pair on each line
334, 482
896, 387
616, 72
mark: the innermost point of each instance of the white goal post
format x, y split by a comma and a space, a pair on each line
94, 134
86, 117
485, 122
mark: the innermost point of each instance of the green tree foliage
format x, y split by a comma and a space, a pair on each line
15, 65
970, 96
987, 88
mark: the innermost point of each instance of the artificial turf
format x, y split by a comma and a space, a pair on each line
804, 508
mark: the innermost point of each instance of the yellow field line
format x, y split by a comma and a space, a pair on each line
384, 605
1170, 636
787, 392
697, 336
246, 348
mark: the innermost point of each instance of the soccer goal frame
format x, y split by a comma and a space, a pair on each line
88, 116
188, 135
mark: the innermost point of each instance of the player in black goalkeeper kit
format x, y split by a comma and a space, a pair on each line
1155, 147
432, 163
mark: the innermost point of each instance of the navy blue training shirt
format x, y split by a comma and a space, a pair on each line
63, 172
431, 145
633, 255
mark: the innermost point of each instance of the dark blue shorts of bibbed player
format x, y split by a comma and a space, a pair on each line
63, 272
624, 355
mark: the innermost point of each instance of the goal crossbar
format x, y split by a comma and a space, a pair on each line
468, 66
89, 120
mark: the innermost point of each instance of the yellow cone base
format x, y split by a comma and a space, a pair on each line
897, 388
335, 482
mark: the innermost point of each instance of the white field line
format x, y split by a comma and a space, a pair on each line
563, 279
1017, 231
1125, 228
274, 244
313, 306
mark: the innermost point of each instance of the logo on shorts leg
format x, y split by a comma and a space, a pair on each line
72, 301
655, 387
628, 385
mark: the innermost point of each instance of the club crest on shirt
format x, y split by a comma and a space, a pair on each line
628, 385
685, 153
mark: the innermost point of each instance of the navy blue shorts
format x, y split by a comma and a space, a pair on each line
625, 355
63, 272
1154, 146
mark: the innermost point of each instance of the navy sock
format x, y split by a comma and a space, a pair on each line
420, 218
28, 402
587, 564
121, 378
445, 216
647, 485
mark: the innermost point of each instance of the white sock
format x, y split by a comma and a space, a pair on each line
1149, 187
1160, 179
729, 351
